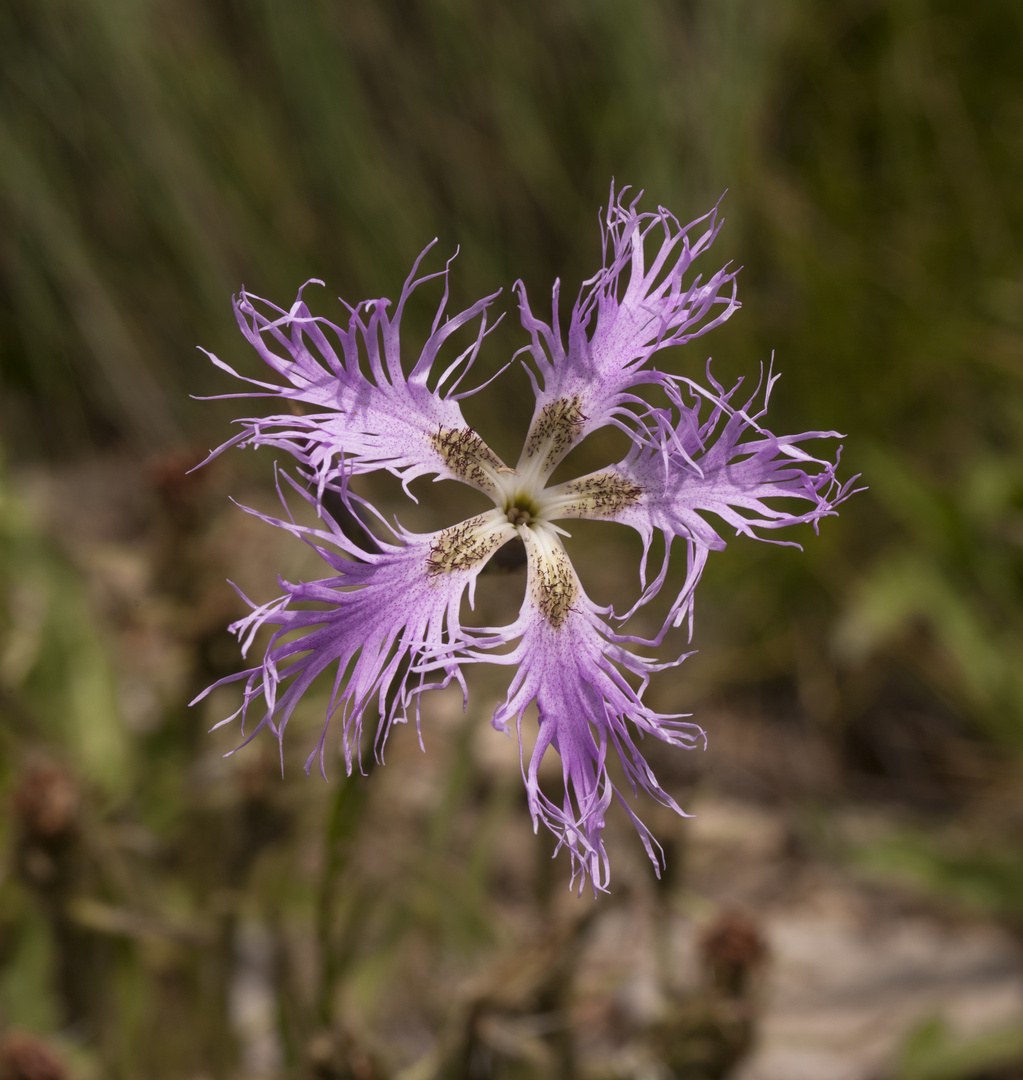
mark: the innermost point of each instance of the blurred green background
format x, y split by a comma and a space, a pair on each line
157, 154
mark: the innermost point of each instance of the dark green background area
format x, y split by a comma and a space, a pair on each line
157, 154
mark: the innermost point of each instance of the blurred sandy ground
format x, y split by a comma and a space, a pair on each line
845, 961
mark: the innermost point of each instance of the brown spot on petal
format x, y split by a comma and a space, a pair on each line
462, 547
467, 456
602, 495
555, 431
552, 582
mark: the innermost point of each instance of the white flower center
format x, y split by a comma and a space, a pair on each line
524, 505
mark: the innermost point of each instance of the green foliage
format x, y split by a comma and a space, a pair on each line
983, 876
933, 1053
954, 574
57, 685
158, 154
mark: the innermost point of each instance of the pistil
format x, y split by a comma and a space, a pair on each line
521, 509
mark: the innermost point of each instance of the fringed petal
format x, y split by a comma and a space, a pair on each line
386, 625
365, 412
573, 667
631, 309
723, 464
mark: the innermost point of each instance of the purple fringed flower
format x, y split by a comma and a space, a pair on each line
385, 625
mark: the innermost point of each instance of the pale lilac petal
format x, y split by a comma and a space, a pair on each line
635, 306
571, 665
387, 611
723, 464
367, 413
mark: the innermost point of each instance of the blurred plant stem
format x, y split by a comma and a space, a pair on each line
337, 943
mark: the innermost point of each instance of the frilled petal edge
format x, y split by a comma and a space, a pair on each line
631, 309
366, 412
722, 465
384, 627
573, 667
